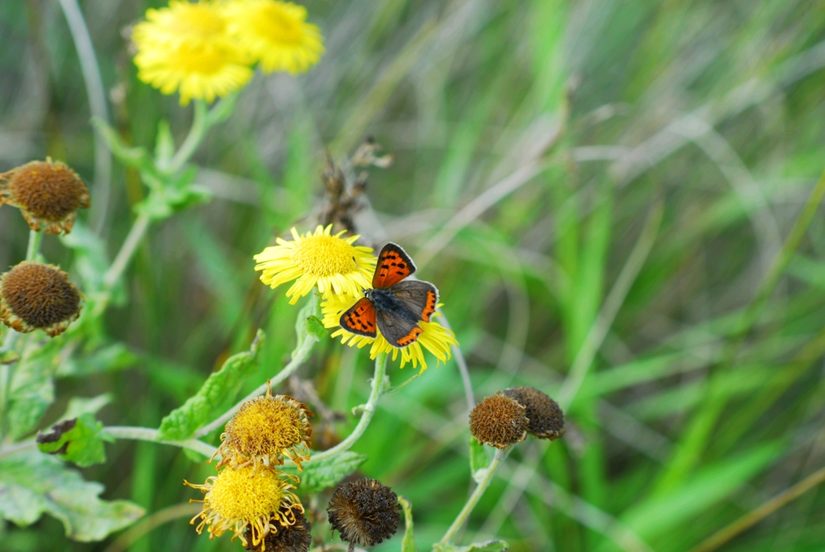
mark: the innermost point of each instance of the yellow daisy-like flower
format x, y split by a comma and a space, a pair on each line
187, 48
435, 338
276, 34
265, 429
249, 501
318, 258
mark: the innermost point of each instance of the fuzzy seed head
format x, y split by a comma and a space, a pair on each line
48, 193
38, 296
499, 421
364, 511
546, 419
292, 538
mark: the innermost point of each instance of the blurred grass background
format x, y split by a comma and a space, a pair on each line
603, 192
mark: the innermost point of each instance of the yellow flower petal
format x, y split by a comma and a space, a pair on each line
275, 34
317, 259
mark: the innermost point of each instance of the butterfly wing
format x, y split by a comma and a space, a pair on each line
360, 318
393, 266
420, 298
397, 329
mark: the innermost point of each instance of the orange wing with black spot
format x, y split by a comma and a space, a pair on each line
393, 266
360, 318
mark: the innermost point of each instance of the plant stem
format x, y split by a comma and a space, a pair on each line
192, 140
149, 434
298, 359
368, 411
33, 249
475, 497
127, 250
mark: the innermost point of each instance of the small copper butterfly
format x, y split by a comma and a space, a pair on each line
394, 305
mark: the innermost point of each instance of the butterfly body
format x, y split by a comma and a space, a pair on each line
395, 306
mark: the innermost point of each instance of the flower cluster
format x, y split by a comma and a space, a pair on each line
251, 497
364, 511
504, 419
342, 272
208, 49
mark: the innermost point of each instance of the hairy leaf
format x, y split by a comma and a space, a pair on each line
219, 390
33, 484
318, 476
79, 440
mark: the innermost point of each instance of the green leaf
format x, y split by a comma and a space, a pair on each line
32, 392
79, 440
307, 323
164, 143
219, 390
479, 459
33, 484
486, 546
320, 475
408, 543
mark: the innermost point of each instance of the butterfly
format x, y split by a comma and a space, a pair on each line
395, 305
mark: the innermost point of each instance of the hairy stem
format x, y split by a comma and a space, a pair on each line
465, 512
368, 410
149, 434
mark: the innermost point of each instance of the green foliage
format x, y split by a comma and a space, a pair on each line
79, 440
486, 546
408, 542
318, 475
218, 391
33, 484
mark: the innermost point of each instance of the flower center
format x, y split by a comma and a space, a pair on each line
203, 59
267, 426
325, 256
245, 493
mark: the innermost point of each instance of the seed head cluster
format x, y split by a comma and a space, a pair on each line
504, 419
364, 511
38, 296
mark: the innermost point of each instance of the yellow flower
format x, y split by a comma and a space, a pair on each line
249, 501
435, 338
319, 258
276, 34
187, 48
265, 429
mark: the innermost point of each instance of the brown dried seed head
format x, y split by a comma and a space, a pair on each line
292, 538
499, 421
364, 511
545, 416
546, 419
38, 296
48, 193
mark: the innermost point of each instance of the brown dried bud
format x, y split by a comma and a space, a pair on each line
499, 421
38, 296
291, 538
364, 511
546, 419
48, 193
